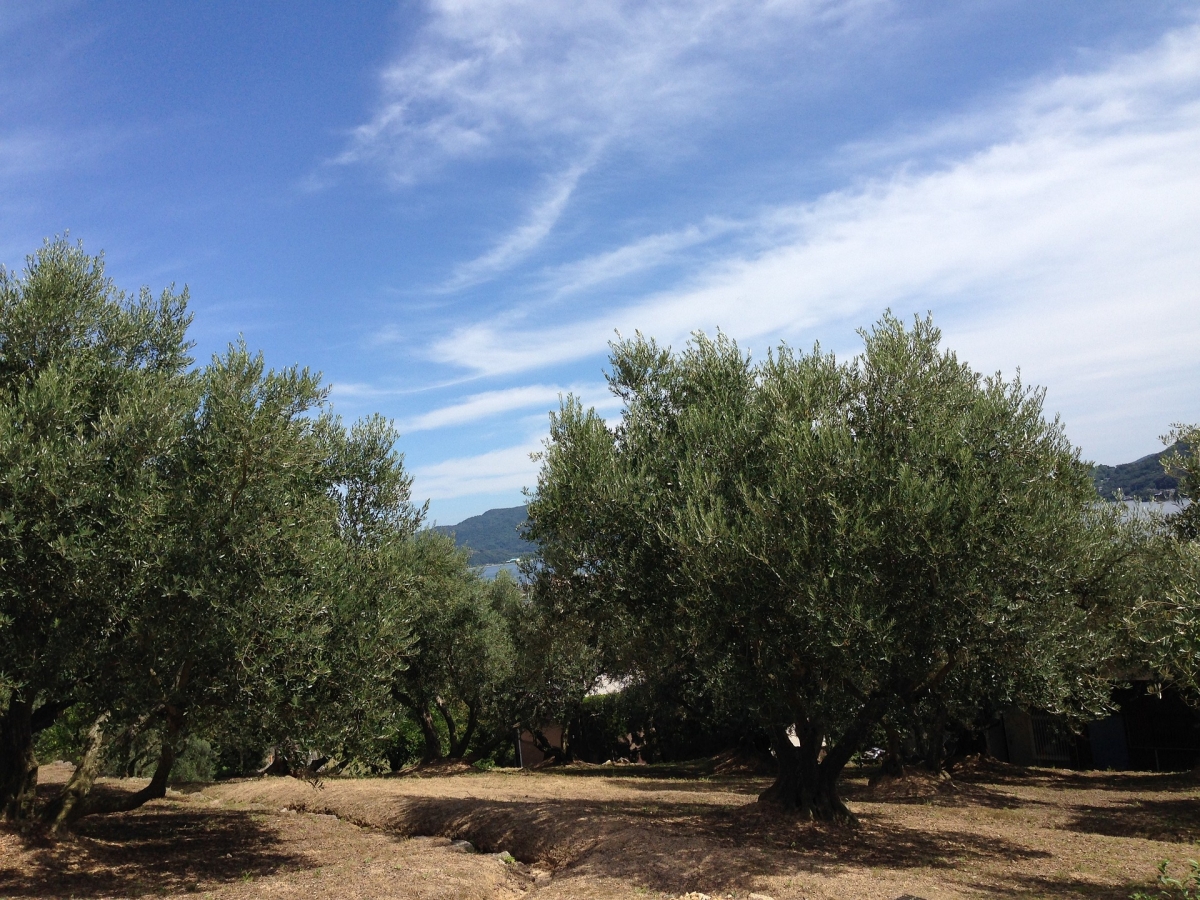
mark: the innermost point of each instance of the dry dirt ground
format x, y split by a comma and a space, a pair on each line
604, 833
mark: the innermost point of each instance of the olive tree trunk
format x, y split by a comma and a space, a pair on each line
458, 746
61, 809
18, 764
433, 742
807, 783
77, 800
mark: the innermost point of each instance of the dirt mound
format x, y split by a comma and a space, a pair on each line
743, 761
439, 768
912, 784
981, 766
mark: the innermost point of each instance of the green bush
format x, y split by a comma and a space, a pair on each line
1185, 888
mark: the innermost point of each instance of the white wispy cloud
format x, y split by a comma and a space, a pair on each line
560, 77
557, 83
493, 403
508, 469
642, 255
22, 154
526, 237
1081, 214
28, 153
358, 390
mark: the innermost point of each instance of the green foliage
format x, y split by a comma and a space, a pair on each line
197, 762
1163, 624
88, 407
462, 654
402, 743
93, 388
233, 607
369, 585
825, 543
558, 661
1182, 461
65, 738
188, 559
1185, 888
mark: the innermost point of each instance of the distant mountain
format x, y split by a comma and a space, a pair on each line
492, 536
1140, 478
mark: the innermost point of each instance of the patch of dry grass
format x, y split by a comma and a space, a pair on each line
996, 832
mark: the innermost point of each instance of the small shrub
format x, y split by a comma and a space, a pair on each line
1184, 888
64, 739
197, 762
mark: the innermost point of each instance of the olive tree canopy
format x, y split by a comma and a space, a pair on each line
1164, 622
89, 407
181, 551
828, 542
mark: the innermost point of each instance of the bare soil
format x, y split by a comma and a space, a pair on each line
609, 832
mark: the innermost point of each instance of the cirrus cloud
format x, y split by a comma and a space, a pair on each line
553, 77
1090, 201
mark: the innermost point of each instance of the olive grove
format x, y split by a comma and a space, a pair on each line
197, 550
803, 553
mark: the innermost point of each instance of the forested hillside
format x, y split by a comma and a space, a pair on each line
1140, 478
491, 536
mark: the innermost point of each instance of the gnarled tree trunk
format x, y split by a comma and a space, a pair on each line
809, 773
806, 785
82, 802
458, 747
433, 743
451, 725
18, 764
60, 810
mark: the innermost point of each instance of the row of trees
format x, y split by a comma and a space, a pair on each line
817, 554
209, 552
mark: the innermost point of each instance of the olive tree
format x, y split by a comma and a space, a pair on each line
371, 589
231, 606
461, 655
89, 407
558, 662
1163, 624
828, 542
182, 552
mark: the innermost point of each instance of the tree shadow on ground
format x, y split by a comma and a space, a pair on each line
1175, 820
162, 847
1064, 779
951, 794
1024, 886
678, 847
750, 787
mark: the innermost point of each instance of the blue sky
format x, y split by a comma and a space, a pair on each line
449, 207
